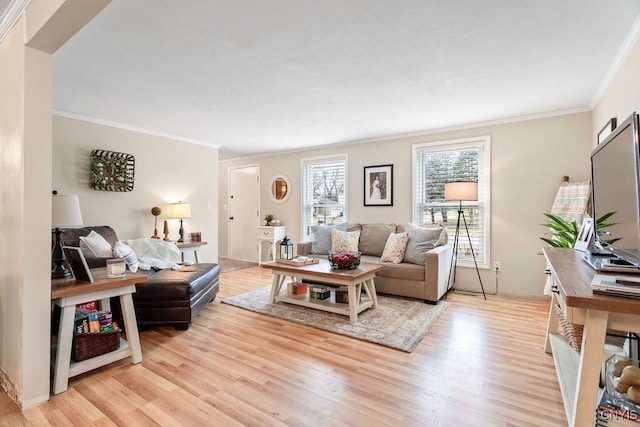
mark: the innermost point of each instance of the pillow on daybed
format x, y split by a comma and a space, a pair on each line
94, 245
422, 240
322, 237
395, 248
344, 241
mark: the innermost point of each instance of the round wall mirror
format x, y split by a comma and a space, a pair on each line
280, 189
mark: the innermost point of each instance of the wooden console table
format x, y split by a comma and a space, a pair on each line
66, 293
579, 374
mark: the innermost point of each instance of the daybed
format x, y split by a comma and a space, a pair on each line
169, 297
422, 274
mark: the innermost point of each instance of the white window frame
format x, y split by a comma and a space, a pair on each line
306, 236
484, 191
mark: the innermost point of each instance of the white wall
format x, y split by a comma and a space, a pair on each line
166, 171
529, 159
25, 180
622, 97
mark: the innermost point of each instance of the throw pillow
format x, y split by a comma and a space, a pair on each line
94, 245
395, 247
422, 240
322, 238
124, 251
344, 241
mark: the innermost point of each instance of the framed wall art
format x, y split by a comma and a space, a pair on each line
378, 185
111, 171
607, 129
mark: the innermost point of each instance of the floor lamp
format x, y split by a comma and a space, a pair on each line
459, 192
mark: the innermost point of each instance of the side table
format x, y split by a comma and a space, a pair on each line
66, 293
191, 247
271, 235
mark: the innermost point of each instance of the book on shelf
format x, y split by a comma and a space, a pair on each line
610, 414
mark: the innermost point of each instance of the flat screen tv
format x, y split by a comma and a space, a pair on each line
615, 175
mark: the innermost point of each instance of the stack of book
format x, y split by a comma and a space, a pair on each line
610, 413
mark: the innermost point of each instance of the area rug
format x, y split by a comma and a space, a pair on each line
397, 322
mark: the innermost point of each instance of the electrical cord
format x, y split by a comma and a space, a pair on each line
479, 292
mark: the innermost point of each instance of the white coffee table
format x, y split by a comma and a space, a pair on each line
354, 280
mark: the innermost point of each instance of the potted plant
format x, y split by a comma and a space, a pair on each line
268, 218
565, 233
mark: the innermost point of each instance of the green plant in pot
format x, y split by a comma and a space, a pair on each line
565, 233
268, 218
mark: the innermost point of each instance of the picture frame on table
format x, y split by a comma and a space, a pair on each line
607, 129
78, 264
378, 185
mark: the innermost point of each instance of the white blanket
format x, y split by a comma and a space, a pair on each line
155, 253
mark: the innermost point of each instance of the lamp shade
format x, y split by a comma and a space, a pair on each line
461, 191
65, 211
180, 210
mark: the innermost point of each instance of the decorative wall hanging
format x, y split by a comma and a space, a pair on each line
111, 171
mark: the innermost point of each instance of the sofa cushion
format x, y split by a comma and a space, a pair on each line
344, 241
94, 245
322, 238
421, 240
395, 248
71, 236
374, 237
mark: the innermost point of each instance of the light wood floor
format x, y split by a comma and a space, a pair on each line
482, 364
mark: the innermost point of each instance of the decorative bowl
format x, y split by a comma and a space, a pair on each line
344, 260
616, 391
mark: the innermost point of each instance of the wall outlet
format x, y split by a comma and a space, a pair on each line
497, 266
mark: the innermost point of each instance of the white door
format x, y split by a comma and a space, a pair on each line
244, 212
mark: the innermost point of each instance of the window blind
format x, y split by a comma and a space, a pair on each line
436, 164
323, 192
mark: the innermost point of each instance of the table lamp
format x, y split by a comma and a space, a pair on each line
459, 192
65, 212
181, 210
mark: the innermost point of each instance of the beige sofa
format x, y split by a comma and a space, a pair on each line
426, 281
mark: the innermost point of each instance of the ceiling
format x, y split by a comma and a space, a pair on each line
259, 76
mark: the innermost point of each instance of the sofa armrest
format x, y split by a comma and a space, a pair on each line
303, 249
437, 268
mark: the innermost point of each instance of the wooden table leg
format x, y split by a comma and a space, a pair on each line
278, 280
370, 290
131, 327
63, 349
354, 302
552, 322
595, 330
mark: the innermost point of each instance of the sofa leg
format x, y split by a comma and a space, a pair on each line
181, 326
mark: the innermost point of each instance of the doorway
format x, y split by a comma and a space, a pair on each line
244, 212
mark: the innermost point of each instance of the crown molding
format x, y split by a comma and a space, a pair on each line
10, 15
621, 56
123, 126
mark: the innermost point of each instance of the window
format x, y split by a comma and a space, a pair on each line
437, 163
324, 186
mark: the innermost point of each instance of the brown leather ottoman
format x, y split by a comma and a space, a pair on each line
174, 298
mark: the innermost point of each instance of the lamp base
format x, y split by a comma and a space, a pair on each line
59, 271
181, 232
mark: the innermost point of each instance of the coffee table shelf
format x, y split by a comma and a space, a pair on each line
328, 304
355, 280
